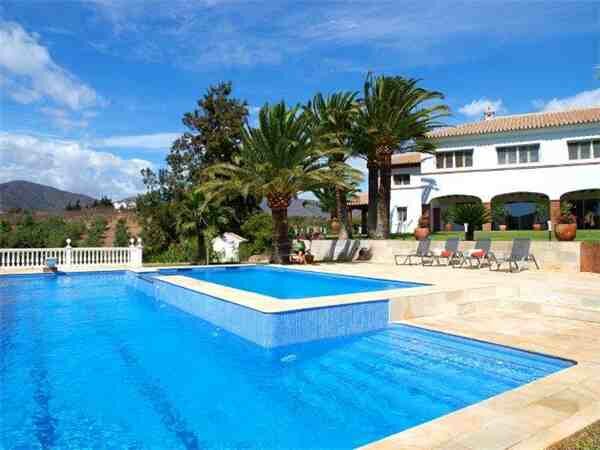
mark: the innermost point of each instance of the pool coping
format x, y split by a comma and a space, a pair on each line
274, 305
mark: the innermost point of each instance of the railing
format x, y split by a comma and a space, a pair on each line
30, 258
112, 256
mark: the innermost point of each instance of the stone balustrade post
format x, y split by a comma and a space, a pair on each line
140, 253
68, 253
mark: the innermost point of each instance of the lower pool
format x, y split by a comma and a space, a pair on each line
86, 361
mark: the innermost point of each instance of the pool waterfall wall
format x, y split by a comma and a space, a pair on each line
269, 329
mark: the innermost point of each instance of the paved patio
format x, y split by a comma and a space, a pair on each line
552, 313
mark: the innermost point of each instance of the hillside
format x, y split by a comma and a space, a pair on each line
33, 196
301, 208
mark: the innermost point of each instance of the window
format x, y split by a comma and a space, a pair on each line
439, 161
402, 179
522, 153
459, 158
584, 149
402, 214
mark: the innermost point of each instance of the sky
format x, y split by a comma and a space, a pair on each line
93, 91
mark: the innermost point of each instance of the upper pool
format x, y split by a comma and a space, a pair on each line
289, 283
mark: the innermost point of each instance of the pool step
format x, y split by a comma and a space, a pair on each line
447, 302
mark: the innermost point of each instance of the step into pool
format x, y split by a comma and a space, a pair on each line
90, 361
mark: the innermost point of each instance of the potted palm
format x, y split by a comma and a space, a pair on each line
499, 216
472, 214
541, 214
448, 226
422, 231
566, 226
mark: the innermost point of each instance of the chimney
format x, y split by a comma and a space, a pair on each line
489, 113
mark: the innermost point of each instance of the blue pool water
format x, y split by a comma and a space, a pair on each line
88, 362
291, 284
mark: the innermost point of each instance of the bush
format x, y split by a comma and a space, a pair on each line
176, 253
122, 235
473, 214
258, 229
95, 233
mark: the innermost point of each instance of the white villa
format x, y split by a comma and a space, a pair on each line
517, 160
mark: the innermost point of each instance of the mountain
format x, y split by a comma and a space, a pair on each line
300, 208
33, 196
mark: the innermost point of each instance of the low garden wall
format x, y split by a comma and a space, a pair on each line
552, 256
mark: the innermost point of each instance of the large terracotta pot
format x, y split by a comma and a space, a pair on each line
421, 233
449, 227
565, 231
502, 227
537, 226
336, 226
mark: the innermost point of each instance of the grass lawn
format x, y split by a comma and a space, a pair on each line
586, 439
582, 235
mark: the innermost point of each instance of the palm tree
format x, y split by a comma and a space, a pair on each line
277, 160
332, 119
196, 216
392, 116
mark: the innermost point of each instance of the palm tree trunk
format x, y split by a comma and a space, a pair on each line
201, 250
281, 241
373, 186
384, 194
342, 214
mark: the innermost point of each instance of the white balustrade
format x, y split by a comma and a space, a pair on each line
68, 256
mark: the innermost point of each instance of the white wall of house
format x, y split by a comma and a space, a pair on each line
553, 175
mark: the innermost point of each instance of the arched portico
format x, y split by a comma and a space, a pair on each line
440, 205
585, 206
524, 209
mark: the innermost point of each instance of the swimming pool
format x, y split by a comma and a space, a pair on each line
289, 283
86, 361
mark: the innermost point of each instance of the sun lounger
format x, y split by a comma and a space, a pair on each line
421, 252
479, 254
450, 253
520, 253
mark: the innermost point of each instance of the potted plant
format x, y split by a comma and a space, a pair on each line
335, 226
541, 214
422, 231
472, 214
448, 226
499, 216
566, 226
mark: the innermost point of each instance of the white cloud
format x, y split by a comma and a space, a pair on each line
476, 108
583, 99
156, 141
63, 119
209, 34
68, 165
29, 73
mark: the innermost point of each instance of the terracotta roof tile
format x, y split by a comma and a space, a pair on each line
401, 159
360, 199
521, 122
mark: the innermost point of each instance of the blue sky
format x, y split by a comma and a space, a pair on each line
90, 92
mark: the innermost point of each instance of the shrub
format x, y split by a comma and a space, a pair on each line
499, 214
473, 214
122, 235
424, 221
258, 229
566, 216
